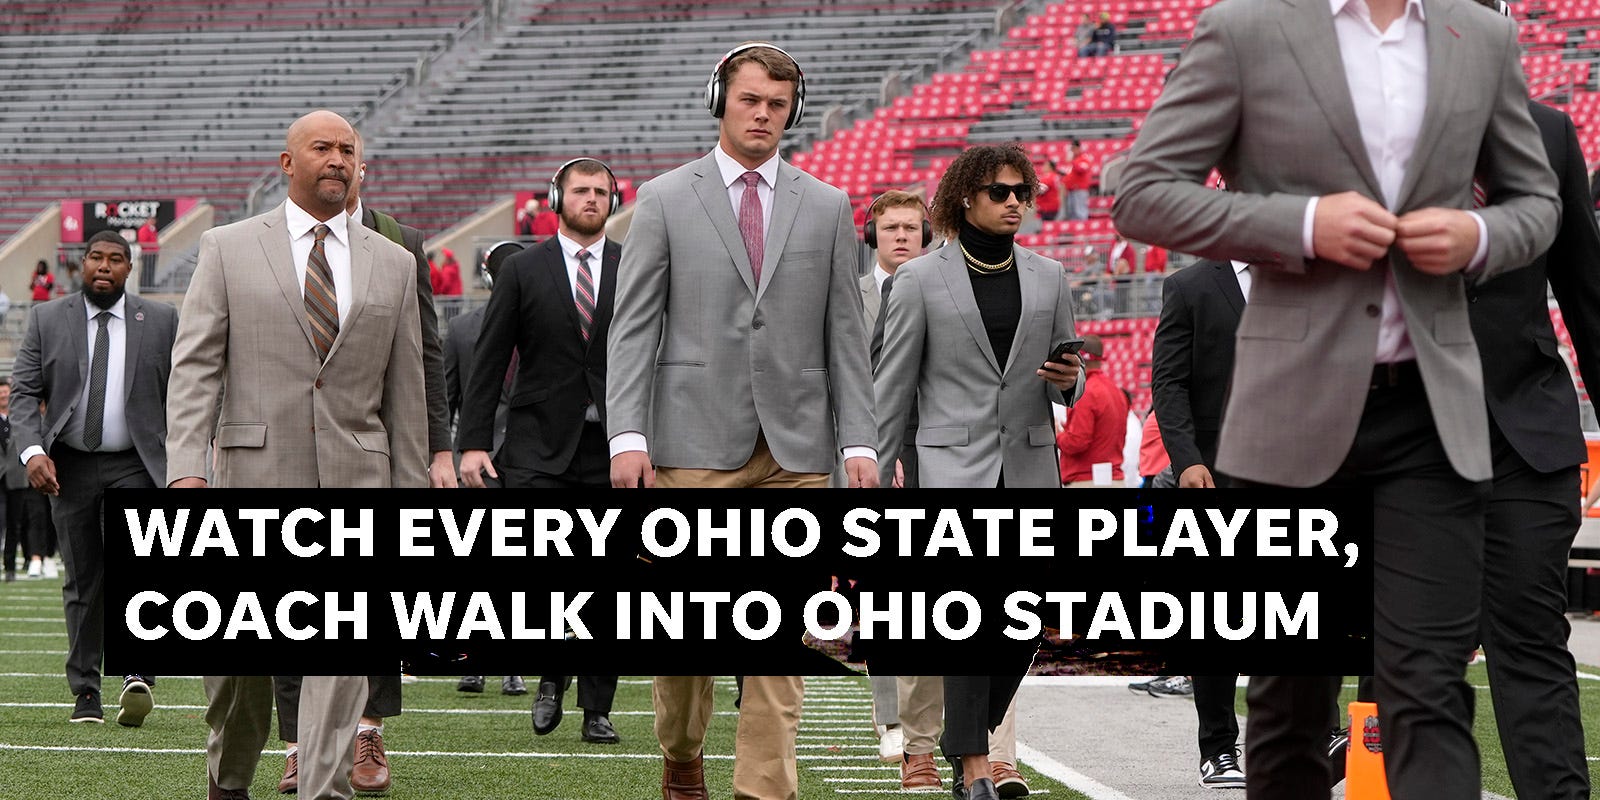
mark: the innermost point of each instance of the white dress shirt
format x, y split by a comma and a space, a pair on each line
880, 275
732, 173
114, 435
569, 254
1387, 72
1241, 271
336, 247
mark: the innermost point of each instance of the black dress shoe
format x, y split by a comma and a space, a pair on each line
214, 792
982, 789
470, 683
958, 782
547, 708
597, 729
87, 709
513, 685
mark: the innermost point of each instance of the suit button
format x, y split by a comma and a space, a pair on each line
1472, 298
1004, 385
319, 383
1372, 310
758, 325
1002, 429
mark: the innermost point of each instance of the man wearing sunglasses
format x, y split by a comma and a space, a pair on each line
970, 328
1355, 365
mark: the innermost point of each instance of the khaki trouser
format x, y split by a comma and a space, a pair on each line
239, 712
760, 472
764, 765
922, 715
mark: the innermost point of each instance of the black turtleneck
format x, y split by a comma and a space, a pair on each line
999, 294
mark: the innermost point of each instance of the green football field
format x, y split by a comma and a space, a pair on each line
453, 745
446, 744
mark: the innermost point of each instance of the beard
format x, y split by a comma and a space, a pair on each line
579, 225
103, 300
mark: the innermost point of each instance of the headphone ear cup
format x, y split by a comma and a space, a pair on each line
869, 233
927, 233
714, 93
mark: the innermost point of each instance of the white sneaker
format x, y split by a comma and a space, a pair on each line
1222, 771
50, 568
891, 745
35, 569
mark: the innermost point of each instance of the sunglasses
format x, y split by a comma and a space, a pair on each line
998, 192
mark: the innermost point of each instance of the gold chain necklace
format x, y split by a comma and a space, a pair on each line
983, 268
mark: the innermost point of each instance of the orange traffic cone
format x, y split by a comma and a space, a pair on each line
1363, 771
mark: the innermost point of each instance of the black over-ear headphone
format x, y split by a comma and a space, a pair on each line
555, 185
717, 87
494, 257
869, 229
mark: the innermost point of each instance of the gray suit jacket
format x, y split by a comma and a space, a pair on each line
286, 419
53, 364
1306, 341
936, 352
702, 359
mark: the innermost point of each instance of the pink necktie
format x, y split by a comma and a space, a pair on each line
750, 225
585, 294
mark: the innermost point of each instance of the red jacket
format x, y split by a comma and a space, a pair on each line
1078, 173
1049, 201
1097, 427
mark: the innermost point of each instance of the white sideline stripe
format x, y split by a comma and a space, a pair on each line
57, 620
1588, 675
861, 780
891, 768
61, 675
900, 792
830, 737
33, 652
1066, 775
872, 747
417, 753
60, 634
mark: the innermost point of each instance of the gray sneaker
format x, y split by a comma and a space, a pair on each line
1175, 686
1141, 687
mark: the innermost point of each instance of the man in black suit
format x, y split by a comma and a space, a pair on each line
1538, 445
1191, 364
551, 310
98, 360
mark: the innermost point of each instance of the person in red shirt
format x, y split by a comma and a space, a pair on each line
546, 222
1097, 425
1049, 200
1078, 175
43, 282
449, 276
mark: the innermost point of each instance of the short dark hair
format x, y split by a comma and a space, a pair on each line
112, 237
587, 166
968, 173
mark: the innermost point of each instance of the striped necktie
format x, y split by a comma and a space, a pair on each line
322, 307
585, 294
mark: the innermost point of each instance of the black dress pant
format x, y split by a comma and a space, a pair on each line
590, 467
1428, 578
1213, 708
28, 519
1533, 517
383, 701
84, 478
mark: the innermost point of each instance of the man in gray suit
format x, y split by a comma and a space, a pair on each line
97, 360
307, 327
1351, 208
738, 358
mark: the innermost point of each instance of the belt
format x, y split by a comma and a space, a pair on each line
1395, 375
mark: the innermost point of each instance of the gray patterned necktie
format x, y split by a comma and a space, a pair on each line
94, 420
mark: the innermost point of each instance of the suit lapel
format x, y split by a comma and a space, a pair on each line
132, 338
871, 301
553, 264
714, 197
1228, 284
1029, 283
608, 290
360, 282
1445, 66
954, 272
786, 199
1315, 45
274, 239
78, 335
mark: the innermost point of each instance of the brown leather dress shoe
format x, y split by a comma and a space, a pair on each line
290, 783
371, 772
214, 792
1008, 781
919, 773
683, 780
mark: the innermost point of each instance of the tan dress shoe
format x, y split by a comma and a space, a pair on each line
1008, 781
683, 780
290, 783
919, 773
371, 772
